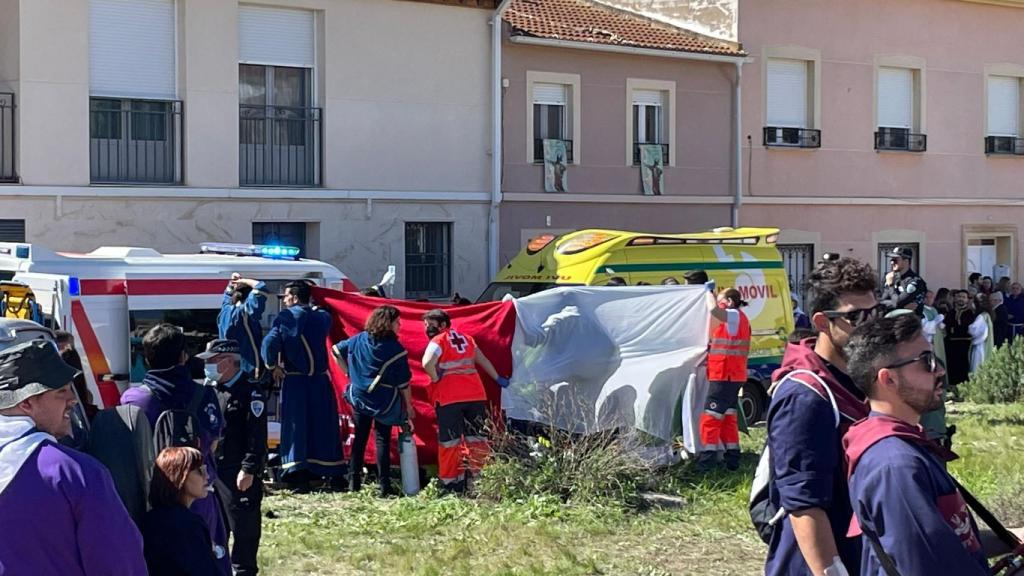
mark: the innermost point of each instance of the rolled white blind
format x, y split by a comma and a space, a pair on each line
648, 97
549, 94
1003, 106
275, 36
131, 48
787, 93
895, 97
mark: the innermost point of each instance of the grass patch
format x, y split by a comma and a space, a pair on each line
341, 534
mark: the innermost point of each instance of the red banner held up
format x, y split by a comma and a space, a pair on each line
491, 324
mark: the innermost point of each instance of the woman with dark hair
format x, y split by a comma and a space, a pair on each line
177, 542
378, 370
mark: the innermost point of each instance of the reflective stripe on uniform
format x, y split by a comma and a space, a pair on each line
450, 443
456, 363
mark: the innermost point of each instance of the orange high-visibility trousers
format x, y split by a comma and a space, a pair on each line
461, 441
719, 427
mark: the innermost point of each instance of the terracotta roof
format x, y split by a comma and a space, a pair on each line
589, 22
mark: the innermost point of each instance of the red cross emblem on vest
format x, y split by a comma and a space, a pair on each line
457, 341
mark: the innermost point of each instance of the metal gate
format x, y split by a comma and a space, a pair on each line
798, 260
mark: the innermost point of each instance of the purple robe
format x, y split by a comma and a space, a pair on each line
62, 515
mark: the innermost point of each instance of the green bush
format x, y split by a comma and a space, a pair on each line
1000, 379
602, 467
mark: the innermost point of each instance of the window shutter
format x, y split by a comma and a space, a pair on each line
275, 36
1003, 106
787, 93
131, 49
12, 230
895, 97
648, 97
549, 94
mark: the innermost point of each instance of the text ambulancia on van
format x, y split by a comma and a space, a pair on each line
744, 258
111, 296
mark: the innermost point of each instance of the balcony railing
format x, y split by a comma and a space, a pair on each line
900, 139
135, 141
636, 152
792, 137
279, 146
538, 150
7, 138
1004, 145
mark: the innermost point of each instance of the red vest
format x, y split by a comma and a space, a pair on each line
460, 382
727, 356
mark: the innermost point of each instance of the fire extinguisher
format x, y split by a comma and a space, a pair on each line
409, 462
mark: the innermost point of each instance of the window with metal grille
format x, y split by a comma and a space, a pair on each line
281, 234
798, 261
12, 230
883, 259
428, 255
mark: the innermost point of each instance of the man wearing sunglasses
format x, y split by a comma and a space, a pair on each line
907, 508
813, 402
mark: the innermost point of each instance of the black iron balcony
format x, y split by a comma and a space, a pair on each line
7, 138
279, 146
538, 150
135, 141
1004, 145
792, 137
636, 152
900, 139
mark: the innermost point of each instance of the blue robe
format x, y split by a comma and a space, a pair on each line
902, 493
366, 356
309, 411
242, 323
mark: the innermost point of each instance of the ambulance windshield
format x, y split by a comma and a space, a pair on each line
497, 290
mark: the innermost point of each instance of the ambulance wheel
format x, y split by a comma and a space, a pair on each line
754, 401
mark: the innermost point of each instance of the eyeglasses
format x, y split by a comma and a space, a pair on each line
855, 317
928, 359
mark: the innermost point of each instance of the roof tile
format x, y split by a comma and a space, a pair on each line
589, 22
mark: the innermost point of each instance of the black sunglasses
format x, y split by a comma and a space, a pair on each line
928, 358
855, 317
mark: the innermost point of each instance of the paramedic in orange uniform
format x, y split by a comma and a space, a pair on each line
451, 361
727, 371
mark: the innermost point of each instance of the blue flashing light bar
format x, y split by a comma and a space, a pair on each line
260, 250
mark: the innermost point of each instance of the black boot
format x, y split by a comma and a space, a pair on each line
355, 481
706, 461
732, 459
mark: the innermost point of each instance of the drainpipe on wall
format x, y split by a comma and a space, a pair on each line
738, 122
496, 142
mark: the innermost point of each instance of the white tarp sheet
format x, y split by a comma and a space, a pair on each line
593, 358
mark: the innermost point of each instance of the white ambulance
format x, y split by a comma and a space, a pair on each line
110, 297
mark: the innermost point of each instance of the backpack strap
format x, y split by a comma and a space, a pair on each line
888, 565
828, 391
197, 399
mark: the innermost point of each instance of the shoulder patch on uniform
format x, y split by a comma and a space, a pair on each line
257, 408
911, 287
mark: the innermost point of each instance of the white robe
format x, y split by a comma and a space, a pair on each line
979, 333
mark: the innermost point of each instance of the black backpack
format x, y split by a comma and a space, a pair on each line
116, 433
763, 513
178, 427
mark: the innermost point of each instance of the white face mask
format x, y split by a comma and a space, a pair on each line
211, 372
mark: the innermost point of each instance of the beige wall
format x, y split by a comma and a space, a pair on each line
361, 239
208, 73
53, 100
404, 89
9, 39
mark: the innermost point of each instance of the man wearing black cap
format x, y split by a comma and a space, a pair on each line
242, 449
903, 287
50, 493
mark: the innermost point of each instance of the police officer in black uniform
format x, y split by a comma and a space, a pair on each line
242, 450
903, 287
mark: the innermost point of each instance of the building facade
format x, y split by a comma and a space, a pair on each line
356, 129
872, 123
605, 80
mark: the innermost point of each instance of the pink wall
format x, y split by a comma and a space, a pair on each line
956, 39
703, 120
